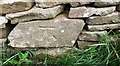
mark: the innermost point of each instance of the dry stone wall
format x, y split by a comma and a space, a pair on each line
55, 26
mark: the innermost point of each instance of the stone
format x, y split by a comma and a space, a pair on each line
58, 32
11, 6
118, 7
47, 4
2, 42
81, 12
51, 51
103, 3
74, 4
103, 27
111, 18
35, 13
105, 11
91, 36
84, 12
4, 32
3, 22
85, 44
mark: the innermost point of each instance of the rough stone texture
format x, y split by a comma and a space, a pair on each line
102, 3
3, 21
2, 42
4, 32
83, 12
58, 32
111, 18
47, 4
105, 10
118, 7
103, 27
51, 51
91, 36
35, 13
10, 6
84, 44
74, 4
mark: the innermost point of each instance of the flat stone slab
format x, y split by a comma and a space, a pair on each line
103, 27
103, 3
35, 13
11, 6
111, 18
84, 12
58, 32
91, 36
3, 21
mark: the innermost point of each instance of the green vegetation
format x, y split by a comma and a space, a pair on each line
106, 52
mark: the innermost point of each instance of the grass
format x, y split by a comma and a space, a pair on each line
105, 53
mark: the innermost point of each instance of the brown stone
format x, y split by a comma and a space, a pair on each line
91, 36
35, 13
83, 12
111, 18
11, 6
103, 27
3, 22
58, 32
118, 7
84, 44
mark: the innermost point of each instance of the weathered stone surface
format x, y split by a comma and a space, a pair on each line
83, 12
2, 41
118, 7
48, 4
103, 27
10, 6
111, 18
84, 44
74, 4
102, 3
105, 10
58, 32
4, 32
3, 21
91, 36
35, 13
52, 51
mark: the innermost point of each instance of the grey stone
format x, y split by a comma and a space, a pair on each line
47, 4
2, 42
74, 4
91, 36
35, 13
111, 18
102, 3
83, 12
51, 51
105, 10
11, 6
58, 32
3, 21
118, 7
103, 27
85, 44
